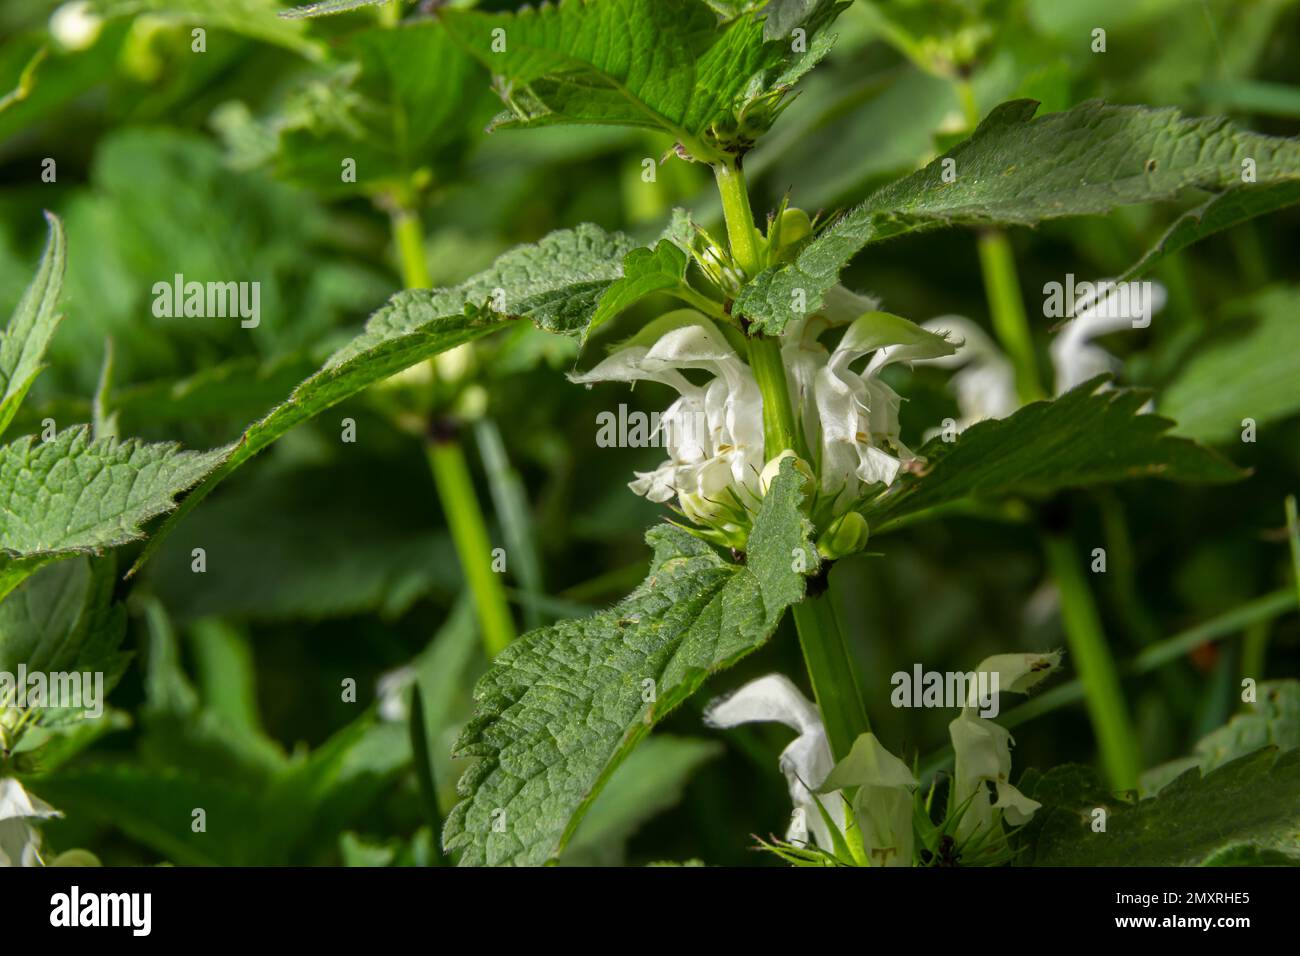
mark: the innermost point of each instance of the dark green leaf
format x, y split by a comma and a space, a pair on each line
1016, 170
1088, 436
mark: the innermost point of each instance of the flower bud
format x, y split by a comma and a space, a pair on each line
792, 228
773, 468
847, 535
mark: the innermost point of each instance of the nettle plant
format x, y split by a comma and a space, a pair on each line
784, 447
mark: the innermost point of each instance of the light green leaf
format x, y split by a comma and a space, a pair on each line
556, 283
72, 495
256, 19
648, 782
667, 65
326, 8
30, 328
563, 706
1016, 170
1251, 800
1088, 436
645, 271
1247, 370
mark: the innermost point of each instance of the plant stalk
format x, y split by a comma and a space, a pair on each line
1002, 287
1116, 738
826, 656
831, 670
778, 414
451, 473
473, 545
739, 217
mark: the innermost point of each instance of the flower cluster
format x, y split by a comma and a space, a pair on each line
847, 418
865, 802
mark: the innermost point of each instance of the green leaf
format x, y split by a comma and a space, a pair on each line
666, 65
30, 328
1016, 170
563, 706
649, 782
1250, 800
645, 271
1088, 436
269, 557
556, 283
406, 113
256, 19
326, 8
72, 495
1246, 370
1222, 211
63, 619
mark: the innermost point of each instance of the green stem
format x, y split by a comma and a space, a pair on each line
831, 670
451, 474
778, 414
739, 217
1008, 311
830, 667
408, 233
473, 546
1116, 738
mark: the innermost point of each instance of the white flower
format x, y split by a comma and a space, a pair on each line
983, 748
806, 762
882, 801
856, 431
714, 432
20, 842
75, 26
985, 381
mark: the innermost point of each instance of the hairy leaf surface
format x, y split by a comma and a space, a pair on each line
1088, 436
1017, 170
562, 706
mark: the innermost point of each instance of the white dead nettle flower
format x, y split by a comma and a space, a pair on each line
985, 381
983, 748
882, 800
393, 690
806, 762
20, 842
75, 26
856, 432
713, 433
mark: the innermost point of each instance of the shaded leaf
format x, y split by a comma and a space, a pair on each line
1087, 436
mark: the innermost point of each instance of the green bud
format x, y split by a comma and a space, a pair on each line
848, 534
793, 228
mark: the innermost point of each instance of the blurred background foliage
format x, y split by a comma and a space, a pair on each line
330, 561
